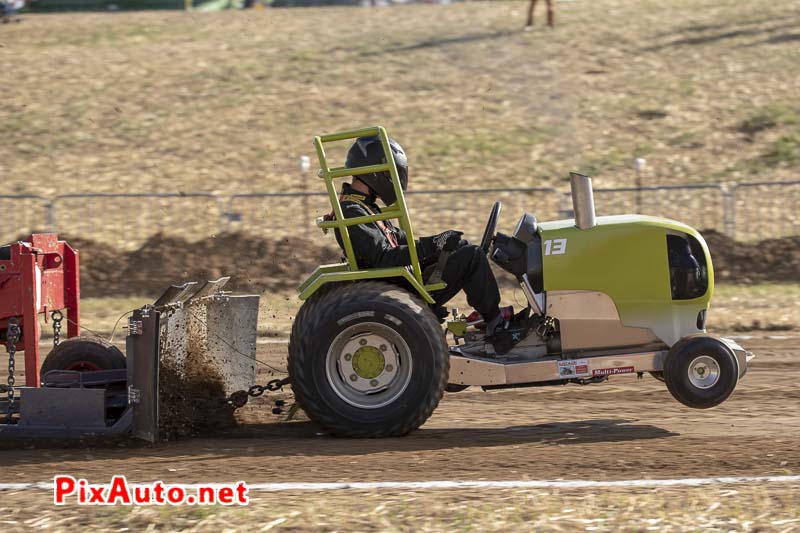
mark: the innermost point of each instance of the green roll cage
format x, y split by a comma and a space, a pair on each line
350, 271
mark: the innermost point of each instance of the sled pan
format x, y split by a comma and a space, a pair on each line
209, 334
180, 294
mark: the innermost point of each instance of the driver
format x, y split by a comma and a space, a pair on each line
380, 244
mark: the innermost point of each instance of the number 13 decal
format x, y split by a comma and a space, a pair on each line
555, 247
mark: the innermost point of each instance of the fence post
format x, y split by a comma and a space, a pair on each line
49, 214
730, 209
224, 219
53, 214
305, 167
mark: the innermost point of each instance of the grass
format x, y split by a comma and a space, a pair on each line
734, 308
721, 508
771, 116
784, 151
767, 306
227, 102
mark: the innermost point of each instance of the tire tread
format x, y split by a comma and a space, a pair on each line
325, 303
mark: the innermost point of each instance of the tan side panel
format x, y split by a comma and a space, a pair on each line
589, 320
465, 371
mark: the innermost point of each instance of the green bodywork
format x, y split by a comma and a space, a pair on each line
350, 270
625, 257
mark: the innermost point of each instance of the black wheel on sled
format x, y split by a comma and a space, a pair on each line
84, 354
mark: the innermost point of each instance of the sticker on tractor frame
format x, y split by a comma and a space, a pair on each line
612, 371
573, 368
555, 247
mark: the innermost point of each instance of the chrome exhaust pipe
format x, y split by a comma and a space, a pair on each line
582, 200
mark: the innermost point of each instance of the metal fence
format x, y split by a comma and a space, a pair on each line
746, 211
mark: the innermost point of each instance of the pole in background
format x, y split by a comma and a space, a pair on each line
305, 167
639, 164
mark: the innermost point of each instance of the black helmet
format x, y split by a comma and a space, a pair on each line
369, 151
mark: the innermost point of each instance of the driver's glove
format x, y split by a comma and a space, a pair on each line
432, 247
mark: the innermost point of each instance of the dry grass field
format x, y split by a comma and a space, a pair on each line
706, 90
730, 508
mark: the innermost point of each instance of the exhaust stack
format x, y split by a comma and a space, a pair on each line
582, 200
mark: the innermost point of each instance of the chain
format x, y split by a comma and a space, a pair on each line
546, 328
57, 318
239, 398
12, 337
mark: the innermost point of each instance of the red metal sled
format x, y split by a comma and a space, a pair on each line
37, 276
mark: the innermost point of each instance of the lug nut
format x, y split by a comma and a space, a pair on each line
389, 368
363, 342
348, 356
383, 347
353, 377
374, 382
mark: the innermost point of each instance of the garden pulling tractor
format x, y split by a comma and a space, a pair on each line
606, 296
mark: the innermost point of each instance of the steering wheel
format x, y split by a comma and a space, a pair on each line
491, 226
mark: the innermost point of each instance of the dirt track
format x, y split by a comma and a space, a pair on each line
623, 429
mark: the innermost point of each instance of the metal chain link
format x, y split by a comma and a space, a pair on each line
546, 328
57, 318
239, 398
12, 338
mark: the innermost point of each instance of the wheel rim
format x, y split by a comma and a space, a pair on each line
704, 372
368, 365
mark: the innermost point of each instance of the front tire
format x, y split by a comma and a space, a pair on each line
367, 359
701, 372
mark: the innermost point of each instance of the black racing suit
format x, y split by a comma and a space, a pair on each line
382, 245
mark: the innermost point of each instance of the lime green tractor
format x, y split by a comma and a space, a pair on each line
606, 296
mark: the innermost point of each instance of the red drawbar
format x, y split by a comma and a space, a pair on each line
41, 276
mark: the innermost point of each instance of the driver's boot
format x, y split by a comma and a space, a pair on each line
503, 335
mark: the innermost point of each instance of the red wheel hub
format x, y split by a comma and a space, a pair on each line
83, 366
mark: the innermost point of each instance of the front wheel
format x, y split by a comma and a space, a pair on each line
701, 371
367, 359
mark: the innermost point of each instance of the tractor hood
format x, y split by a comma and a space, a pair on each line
626, 257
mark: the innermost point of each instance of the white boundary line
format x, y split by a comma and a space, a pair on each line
439, 485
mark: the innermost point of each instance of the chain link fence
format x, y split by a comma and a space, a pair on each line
765, 210
126, 220
745, 211
700, 206
22, 215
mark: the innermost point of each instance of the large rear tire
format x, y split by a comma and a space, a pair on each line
84, 354
367, 359
701, 371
